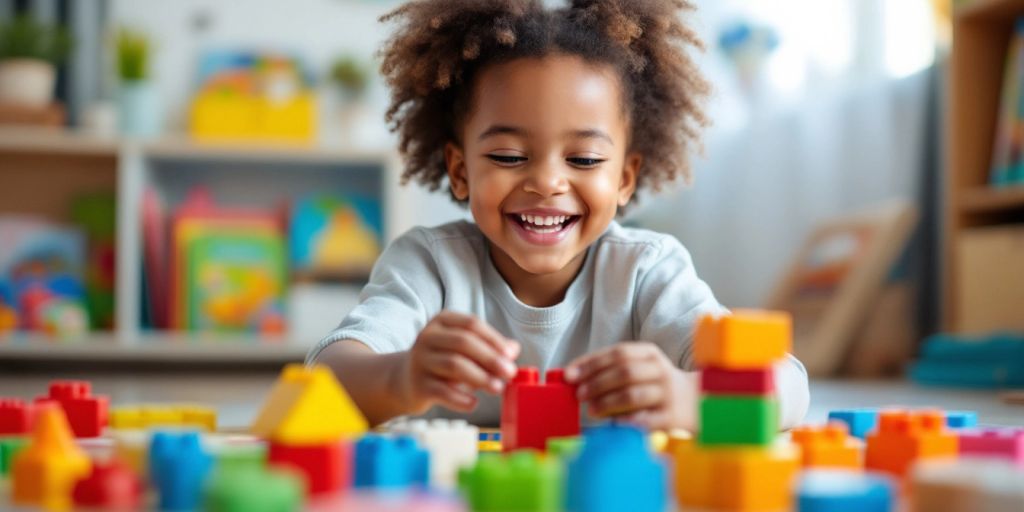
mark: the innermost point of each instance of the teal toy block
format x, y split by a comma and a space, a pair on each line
616, 470
522, 480
393, 463
9, 447
860, 421
254, 489
178, 467
961, 419
747, 420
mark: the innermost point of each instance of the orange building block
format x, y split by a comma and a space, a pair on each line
734, 478
905, 437
744, 340
830, 446
44, 473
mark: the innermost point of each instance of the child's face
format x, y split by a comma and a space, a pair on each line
543, 160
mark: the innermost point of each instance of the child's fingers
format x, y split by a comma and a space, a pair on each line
471, 323
470, 345
448, 395
585, 366
618, 376
627, 400
455, 367
651, 419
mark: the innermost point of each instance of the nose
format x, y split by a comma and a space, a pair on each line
547, 178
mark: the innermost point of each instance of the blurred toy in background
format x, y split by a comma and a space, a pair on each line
246, 96
335, 236
96, 216
41, 277
748, 47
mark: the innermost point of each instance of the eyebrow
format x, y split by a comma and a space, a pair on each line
498, 129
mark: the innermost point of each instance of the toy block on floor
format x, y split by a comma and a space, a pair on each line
308, 406
961, 419
9, 447
109, 486
967, 485
523, 480
155, 416
327, 467
532, 411
905, 437
452, 444
614, 471
746, 339
87, 414
15, 417
254, 489
723, 381
391, 463
860, 421
734, 478
738, 420
44, 472
828, 446
834, 490
178, 467
1006, 443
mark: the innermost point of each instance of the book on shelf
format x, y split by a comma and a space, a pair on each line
1008, 151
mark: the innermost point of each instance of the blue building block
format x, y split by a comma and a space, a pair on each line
178, 467
860, 421
961, 419
614, 471
391, 462
844, 491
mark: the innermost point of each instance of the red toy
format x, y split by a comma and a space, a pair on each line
904, 437
326, 467
86, 413
723, 381
16, 417
532, 412
110, 486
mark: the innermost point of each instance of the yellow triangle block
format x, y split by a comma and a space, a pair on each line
308, 406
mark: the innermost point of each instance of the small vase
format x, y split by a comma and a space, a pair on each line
27, 82
138, 109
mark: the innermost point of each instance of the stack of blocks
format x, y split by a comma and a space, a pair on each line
734, 464
309, 421
533, 411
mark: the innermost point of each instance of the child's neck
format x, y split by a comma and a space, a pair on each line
537, 290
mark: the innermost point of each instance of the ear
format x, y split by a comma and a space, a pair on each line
456, 162
630, 170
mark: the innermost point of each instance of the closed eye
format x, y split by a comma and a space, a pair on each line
585, 162
507, 159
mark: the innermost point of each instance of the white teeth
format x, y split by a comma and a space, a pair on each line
523, 217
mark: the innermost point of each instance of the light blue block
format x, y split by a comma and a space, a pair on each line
178, 468
844, 491
860, 421
615, 471
394, 463
961, 419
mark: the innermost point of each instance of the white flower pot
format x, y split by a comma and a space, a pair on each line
27, 82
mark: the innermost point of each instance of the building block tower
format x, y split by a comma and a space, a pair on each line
44, 473
533, 411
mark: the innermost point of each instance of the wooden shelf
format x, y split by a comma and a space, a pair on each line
990, 199
998, 10
55, 142
171, 348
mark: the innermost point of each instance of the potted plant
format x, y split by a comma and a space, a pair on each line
137, 102
351, 78
29, 54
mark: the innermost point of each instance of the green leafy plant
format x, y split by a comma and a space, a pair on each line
350, 75
132, 55
25, 38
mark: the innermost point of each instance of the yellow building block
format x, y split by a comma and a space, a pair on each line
44, 473
743, 340
735, 478
828, 446
308, 406
154, 416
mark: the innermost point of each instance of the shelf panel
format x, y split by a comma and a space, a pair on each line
152, 348
990, 10
990, 199
55, 142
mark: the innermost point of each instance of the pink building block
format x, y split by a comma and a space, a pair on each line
1006, 443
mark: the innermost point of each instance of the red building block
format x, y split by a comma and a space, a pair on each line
532, 412
86, 413
904, 437
16, 417
110, 486
723, 381
327, 468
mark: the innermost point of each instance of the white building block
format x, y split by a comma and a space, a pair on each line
451, 443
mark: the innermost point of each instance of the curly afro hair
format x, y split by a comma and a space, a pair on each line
441, 45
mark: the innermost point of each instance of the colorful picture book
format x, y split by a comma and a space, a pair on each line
1008, 153
335, 235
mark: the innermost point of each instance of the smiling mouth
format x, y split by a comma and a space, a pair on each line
544, 224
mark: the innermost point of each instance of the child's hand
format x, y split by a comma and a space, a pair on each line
634, 381
454, 355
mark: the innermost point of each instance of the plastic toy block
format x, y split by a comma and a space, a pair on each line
43, 473
532, 412
859, 421
327, 467
131, 447
961, 419
86, 413
523, 480
844, 491
905, 437
829, 446
732, 478
616, 470
967, 485
308, 406
391, 463
451, 443
1007, 443
488, 446
564, 448
241, 457
178, 466
723, 381
15, 417
254, 489
9, 447
109, 486
738, 420
746, 339
147, 417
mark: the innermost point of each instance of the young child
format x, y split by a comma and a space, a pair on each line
545, 123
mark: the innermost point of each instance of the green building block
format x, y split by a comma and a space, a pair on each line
9, 447
729, 419
522, 480
254, 489
564, 447
242, 457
